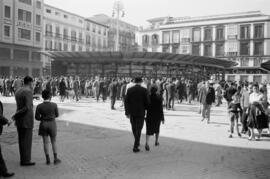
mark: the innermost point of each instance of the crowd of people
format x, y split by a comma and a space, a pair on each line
143, 99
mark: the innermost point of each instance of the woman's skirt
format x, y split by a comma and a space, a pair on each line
256, 118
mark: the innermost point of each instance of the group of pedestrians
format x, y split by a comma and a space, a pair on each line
46, 113
248, 102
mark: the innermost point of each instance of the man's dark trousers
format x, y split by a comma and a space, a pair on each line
25, 143
137, 125
3, 168
113, 99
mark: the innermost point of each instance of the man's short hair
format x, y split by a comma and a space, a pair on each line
138, 80
27, 80
46, 94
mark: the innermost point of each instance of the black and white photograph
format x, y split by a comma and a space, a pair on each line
135, 89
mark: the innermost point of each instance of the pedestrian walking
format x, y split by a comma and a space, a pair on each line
113, 93
207, 101
136, 104
154, 116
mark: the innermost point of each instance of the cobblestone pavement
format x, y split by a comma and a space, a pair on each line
95, 142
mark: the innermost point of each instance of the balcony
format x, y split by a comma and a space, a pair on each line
231, 54
185, 40
232, 37
58, 36
49, 34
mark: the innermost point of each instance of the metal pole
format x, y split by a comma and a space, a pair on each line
117, 28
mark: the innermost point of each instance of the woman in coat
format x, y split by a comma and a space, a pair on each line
62, 89
154, 116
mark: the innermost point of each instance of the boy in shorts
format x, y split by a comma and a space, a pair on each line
46, 113
234, 109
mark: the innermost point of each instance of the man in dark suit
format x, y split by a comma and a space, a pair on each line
171, 94
207, 101
113, 92
136, 103
3, 121
24, 120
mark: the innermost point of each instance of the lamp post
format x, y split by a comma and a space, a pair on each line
118, 10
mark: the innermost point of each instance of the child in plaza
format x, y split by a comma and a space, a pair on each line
46, 113
235, 110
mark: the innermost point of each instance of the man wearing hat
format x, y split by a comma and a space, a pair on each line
136, 103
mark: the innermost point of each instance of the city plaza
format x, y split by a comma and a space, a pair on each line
39, 39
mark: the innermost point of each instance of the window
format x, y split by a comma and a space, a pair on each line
245, 32
176, 37
208, 34
232, 31
29, 2
37, 36
73, 47
80, 48
166, 37
208, 50
155, 39
88, 27
145, 40
24, 15
38, 19
80, 21
66, 33
57, 13
49, 30
7, 31
48, 45
244, 78
24, 34
165, 49
65, 47
88, 39
219, 49
220, 33
94, 28
36, 56
257, 79
244, 48
196, 49
38, 5
175, 49
73, 35
184, 49
80, 37
65, 16
57, 32
257, 62
21, 54
7, 12
258, 31
258, 48
197, 35
48, 11
244, 62
232, 46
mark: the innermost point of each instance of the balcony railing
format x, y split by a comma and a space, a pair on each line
231, 54
49, 34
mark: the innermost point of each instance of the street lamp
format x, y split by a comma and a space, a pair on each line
118, 10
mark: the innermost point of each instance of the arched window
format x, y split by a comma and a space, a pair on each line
145, 40
155, 39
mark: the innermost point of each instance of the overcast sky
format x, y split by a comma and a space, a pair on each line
138, 11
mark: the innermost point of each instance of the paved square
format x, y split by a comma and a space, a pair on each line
95, 142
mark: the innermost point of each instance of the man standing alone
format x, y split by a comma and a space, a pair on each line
24, 120
136, 102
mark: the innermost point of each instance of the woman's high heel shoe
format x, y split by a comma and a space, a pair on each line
147, 148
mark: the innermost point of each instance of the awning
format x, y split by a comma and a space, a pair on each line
266, 65
141, 57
